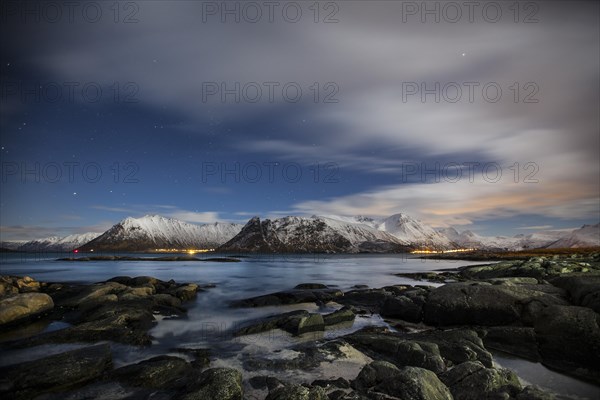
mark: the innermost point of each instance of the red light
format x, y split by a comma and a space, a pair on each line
75, 251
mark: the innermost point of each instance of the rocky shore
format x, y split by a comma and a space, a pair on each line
437, 343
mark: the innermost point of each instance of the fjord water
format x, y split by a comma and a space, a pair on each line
209, 320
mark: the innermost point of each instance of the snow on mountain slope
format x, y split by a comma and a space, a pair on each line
413, 231
58, 244
307, 235
586, 236
155, 232
12, 244
408, 230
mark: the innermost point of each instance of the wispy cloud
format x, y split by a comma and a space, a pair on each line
534, 227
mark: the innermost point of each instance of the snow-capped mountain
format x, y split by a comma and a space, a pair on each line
12, 244
58, 244
311, 235
155, 232
586, 236
415, 232
408, 230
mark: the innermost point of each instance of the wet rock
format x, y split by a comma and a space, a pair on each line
536, 267
311, 286
344, 314
164, 299
583, 289
371, 299
374, 373
535, 393
295, 296
332, 383
262, 382
404, 308
569, 340
402, 351
18, 307
216, 383
186, 292
456, 346
293, 391
513, 281
441, 277
309, 356
94, 294
58, 372
27, 284
472, 381
107, 391
519, 341
483, 304
408, 383
160, 372
294, 322
201, 356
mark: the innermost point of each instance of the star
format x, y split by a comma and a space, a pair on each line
464, 54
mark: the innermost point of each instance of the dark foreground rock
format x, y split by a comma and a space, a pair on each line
569, 340
433, 350
295, 296
408, 383
293, 391
516, 340
471, 380
18, 307
57, 372
216, 383
162, 372
121, 309
294, 322
486, 304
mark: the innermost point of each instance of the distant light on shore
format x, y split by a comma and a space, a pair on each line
439, 251
189, 251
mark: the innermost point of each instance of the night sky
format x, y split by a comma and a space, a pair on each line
175, 108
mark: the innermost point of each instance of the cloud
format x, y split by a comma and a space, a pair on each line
462, 202
373, 129
194, 217
535, 227
32, 232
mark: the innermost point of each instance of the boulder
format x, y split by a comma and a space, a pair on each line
294, 322
57, 372
516, 340
311, 286
485, 304
375, 373
21, 306
535, 393
472, 381
216, 383
158, 372
94, 294
456, 346
293, 391
583, 289
569, 340
412, 383
295, 296
344, 314
400, 350
404, 308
